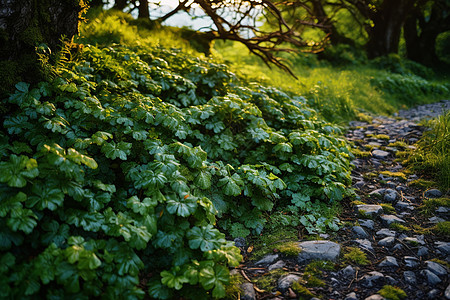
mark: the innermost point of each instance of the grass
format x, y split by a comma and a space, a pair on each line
399, 227
400, 175
302, 291
442, 228
289, 248
356, 256
358, 153
387, 208
422, 183
392, 293
430, 205
431, 156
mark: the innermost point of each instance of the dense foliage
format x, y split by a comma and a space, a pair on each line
113, 173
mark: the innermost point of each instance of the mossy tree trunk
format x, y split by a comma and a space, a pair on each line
26, 24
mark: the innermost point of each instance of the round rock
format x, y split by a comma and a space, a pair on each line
436, 268
389, 219
432, 278
410, 277
433, 193
318, 250
389, 262
380, 154
387, 241
360, 232
285, 282
248, 291
369, 209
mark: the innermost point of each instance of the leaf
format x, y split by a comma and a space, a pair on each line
172, 279
204, 238
300, 200
203, 179
22, 219
181, 207
16, 172
216, 277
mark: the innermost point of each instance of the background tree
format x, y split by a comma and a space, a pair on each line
26, 25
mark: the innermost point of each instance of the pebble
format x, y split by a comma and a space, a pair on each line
436, 268
248, 291
375, 297
410, 277
433, 193
389, 219
387, 241
422, 252
404, 205
278, 265
369, 224
351, 296
411, 261
447, 292
364, 244
377, 193
389, 262
380, 154
318, 250
432, 278
348, 272
360, 232
443, 247
285, 282
267, 260
369, 209
390, 195
433, 294
373, 278
386, 232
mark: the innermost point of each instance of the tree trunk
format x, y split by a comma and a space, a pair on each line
143, 9
120, 4
26, 24
420, 33
388, 19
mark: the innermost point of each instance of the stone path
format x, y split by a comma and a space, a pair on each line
386, 223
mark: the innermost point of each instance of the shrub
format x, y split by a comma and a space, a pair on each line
113, 174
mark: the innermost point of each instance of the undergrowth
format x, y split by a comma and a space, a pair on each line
431, 156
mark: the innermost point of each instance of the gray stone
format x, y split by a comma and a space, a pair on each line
365, 245
389, 219
386, 232
320, 250
390, 280
391, 184
390, 195
432, 278
414, 240
447, 292
433, 193
433, 294
360, 232
397, 247
335, 282
372, 278
404, 205
401, 188
410, 277
375, 297
369, 224
369, 209
443, 247
435, 220
347, 272
248, 291
411, 261
285, 282
442, 210
380, 154
240, 242
278, 265
436, 268
389, 262
351, 296
422, 252
268, 259
359, 184
387, 241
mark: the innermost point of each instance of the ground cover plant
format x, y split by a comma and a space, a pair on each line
121, 173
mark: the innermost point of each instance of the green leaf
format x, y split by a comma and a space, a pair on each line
216, 277
16, 172
203, 179
182, 207
45, 196
300, 200
173, 278
22, 219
